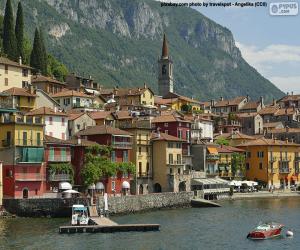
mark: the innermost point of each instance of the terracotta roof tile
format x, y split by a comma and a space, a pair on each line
41, 78
230, 102
267, 142
99, 114
19, 92
83, 142
45, 111
251, 105
164, 137
66, 93
52, 140
4, 60
103, 130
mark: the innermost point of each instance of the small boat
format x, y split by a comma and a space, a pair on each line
266, 231
289, 233
79, 215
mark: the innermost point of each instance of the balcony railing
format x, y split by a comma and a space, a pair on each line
29, 177
59, 177
272, 159
212, 157
20, 142
59, 158
143, 175
121, 144
284, 170
175, 163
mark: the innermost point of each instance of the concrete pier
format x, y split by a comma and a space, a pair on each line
203, 203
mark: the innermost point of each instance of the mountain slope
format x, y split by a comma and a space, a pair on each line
118, 42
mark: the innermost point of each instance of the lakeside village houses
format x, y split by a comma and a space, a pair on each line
173, 141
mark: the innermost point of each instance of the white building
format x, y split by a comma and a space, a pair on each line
71, 99
56, 122
202, 129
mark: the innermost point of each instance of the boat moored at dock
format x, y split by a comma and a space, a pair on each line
266, 231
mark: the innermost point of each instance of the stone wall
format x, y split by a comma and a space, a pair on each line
57, 207
131, 204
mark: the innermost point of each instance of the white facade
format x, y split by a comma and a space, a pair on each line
56, 126
70, 102
202, 129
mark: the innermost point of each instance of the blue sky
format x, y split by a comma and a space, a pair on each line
271, 44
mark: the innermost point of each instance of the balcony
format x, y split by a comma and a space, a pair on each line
30, 120
145, 124
28, 142
285, 159
143, 175
59, 158
212, 157
29, 177
284, 170
272, 159
125, 145
59, 177
30, 155
175, 163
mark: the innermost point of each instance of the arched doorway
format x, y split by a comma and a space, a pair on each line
157, 188
25, 193
141, 189
182, 186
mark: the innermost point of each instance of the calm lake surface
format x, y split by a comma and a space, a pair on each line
190, 228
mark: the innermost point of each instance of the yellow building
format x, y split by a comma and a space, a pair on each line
13, 74
1, 184
23, 100
130, 96
272, 162
169, 173
178, 102
19, 130
141, 152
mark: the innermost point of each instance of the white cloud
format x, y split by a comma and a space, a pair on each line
290, 83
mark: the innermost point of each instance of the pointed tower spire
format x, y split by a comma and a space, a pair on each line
165, 51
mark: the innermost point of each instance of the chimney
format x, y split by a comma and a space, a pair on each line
212, 103
20, 60
274, 101
55, 109
221, 98
90, 77
287, 129
247, 98
286, 140
292, 93
145, 85
261, 101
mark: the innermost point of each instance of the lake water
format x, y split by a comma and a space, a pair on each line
189, 228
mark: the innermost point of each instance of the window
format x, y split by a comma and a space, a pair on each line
24, 84
187, 135
8, 172
180, 134
171, 171
25, 72
63, 121
140, 150
247, 166
6, 69
248, 154
170, 145
260, 165
166, 124
125, 156
38, 139
113, 156
28, 99
170, 158
6, 81
113, 185
50, 120
179, 124
24, 138
178, 170
260, 154
147, 168
140, 168
178, 145
178, 158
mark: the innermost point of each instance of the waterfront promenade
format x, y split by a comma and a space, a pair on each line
265, 194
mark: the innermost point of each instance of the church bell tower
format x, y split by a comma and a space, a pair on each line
165, 71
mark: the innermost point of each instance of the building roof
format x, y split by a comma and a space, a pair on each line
103, 130
272, 124
269, 110
160, 101
4, 60
19, 92
66, 93
235, 135
121, 92
81, 142
290, 98
46, 111
268, 142
230, 102
52, 140
173, 97
165, 137
169, 117
285, 111
122, 115
165, 50
99, 114
251, 105
231, 149
284, 130
246, 114
74, 116
41, 78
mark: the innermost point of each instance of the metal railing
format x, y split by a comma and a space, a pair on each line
175, 163
59, 177
284, 170
29, 177
59, 158
212, 157
21, 142
143, 175
121, 144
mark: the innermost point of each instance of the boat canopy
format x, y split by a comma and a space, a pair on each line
92, 186
64, 186
125, 185
99, 186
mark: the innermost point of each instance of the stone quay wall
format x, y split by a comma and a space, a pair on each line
59, 207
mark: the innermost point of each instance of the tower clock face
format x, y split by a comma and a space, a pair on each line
164, 69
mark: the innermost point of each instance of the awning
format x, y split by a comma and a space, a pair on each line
125, 185
65, 185
92, 91
212, 150
207, 181
99, 186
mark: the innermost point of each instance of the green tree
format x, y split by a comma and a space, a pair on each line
36, 57
19, 32
9, 38
237, 163
222, 141
56, 68
44, 53
1, 34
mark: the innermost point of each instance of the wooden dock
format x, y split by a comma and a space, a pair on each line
203, 203
105, 225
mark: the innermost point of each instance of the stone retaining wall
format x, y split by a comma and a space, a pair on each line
58, 207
